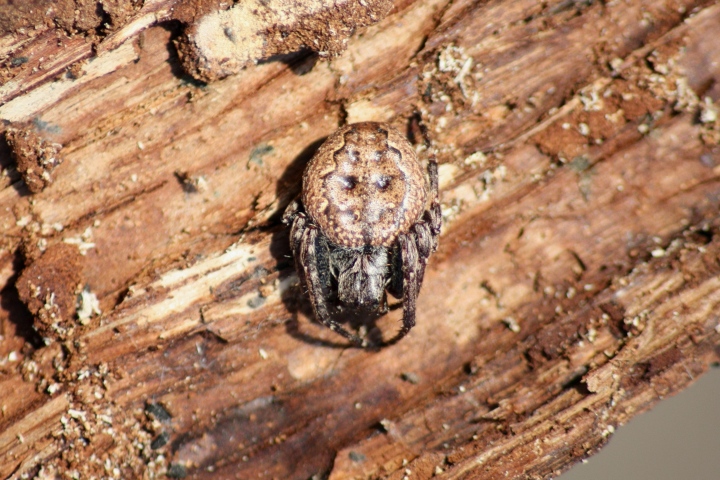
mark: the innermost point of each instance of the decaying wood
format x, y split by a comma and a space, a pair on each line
221, 43
576, 285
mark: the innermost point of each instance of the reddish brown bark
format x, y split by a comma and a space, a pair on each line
576, 283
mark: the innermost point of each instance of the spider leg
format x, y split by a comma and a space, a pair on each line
415, 249
426, 243
413, 266
306, 261
395, 282
291, 211
433, 215
425, 233
294, 216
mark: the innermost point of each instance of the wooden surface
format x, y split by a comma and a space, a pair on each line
576, 284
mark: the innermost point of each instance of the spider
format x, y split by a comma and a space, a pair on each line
363, 225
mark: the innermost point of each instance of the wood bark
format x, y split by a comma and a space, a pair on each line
576, 284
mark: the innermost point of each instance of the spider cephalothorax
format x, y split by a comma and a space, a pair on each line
364, 224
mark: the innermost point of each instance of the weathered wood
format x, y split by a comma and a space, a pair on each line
575, 286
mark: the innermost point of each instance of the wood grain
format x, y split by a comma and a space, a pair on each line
575, 285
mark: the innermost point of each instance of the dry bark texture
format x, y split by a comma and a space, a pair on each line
35, 158
577, 281
221, 43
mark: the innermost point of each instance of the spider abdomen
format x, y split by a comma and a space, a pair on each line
364, 186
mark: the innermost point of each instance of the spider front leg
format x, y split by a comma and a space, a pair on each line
307, 257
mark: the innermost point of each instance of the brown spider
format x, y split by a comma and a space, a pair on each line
362, 225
